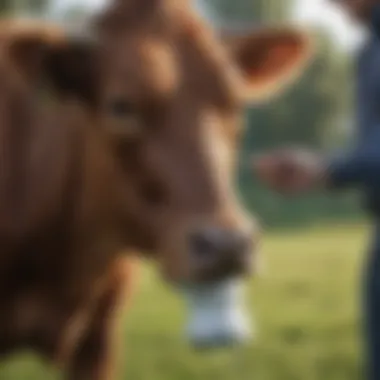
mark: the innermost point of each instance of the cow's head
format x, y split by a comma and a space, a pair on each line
168, 96
171, 96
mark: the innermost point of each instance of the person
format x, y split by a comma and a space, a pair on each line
294, 171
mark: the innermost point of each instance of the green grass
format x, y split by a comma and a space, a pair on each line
305, 307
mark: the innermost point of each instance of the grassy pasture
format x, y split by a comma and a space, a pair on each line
305, 308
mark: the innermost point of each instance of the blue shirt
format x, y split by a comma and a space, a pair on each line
361, 167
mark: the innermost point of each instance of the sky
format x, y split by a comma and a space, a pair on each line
310, 12
322, 12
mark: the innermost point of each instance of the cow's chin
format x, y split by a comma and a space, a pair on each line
217, 316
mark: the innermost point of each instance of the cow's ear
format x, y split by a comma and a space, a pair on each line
28, 47
67, 64
269, 59
72, 68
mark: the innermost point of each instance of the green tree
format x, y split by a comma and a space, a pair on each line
30, 6
250, 11
308, 113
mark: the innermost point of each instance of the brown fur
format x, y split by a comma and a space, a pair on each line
81, 180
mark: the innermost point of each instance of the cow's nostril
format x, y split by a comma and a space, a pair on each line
202, 245
218, 252
219, 241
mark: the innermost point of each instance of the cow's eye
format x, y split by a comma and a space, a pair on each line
124, 121
121, 109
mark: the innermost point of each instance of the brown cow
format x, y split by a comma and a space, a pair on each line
125, 143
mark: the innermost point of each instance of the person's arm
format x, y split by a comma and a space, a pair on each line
360, 168
294, 171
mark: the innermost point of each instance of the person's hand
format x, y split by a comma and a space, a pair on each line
291, 171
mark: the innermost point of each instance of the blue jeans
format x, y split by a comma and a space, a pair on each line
372, 309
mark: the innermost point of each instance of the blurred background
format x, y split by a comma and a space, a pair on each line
306, 302
316, 111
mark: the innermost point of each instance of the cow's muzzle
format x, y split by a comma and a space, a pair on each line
219, 253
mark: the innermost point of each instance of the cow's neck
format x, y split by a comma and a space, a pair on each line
59, 215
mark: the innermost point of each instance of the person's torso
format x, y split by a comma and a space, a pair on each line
368, 88
368, 105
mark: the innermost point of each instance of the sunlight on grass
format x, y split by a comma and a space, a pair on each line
305, 307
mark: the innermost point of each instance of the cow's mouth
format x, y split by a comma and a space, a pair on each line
217, 316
